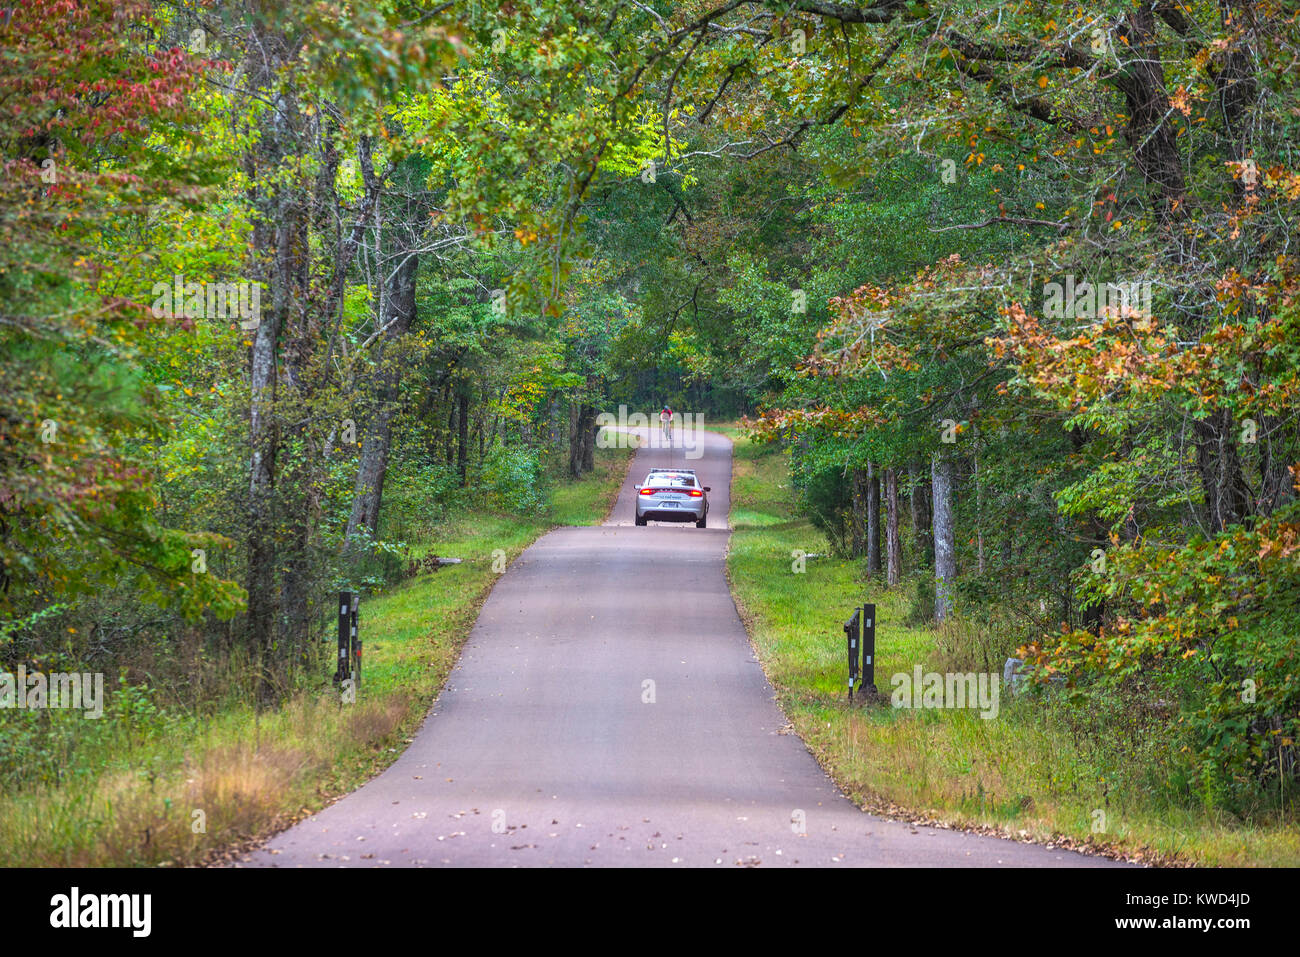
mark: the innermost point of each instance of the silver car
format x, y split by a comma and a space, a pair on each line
672, 495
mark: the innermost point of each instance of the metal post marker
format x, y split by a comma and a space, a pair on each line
356, 642
852, 632
345, 637
349, 659
869, 647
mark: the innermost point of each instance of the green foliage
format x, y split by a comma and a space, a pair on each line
512, 480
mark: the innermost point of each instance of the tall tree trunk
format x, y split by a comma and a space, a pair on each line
919, 500
1276, 488
582, 440
1227, 498
893, 547
589, 441
979, 507
277, 246
553, 419
480, 429
300, 258
873, 520
263, 438
858, 513
299, 485
575, 440
449, 440
375, 447
945, 552
462, 437
1149, 131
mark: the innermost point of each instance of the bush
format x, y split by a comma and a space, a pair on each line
512, 479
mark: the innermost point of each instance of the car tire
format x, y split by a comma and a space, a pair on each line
639, 520
703, 522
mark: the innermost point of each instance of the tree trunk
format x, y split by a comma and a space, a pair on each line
858, 513
589, 441
919, 500
277, 247
1276, 488
1149, 131
373, 467
553, 419
893, 547
582, 439
1227, 498
449, 440
462, 437
873, 520
945, 553
979, 507
300, 258
575, 441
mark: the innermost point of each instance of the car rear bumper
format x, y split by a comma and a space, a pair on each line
660, 514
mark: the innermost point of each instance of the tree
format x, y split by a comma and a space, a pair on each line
82, 89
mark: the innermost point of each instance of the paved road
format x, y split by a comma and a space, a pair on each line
547, 748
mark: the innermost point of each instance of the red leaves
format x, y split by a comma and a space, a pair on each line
79, 70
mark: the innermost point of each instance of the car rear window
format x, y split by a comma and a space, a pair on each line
671, 481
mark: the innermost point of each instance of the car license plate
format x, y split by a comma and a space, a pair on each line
669, 504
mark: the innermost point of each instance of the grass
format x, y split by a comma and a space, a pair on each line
169, 789
1035, 772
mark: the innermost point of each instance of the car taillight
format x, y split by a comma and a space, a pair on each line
647, 491
696, 493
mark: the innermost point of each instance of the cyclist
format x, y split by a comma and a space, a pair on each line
666, 422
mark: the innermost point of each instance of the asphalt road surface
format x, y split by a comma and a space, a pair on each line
608, 711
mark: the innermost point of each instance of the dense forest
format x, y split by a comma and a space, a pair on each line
1011, 284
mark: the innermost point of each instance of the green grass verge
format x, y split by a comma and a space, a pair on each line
166, 789
1035, 772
